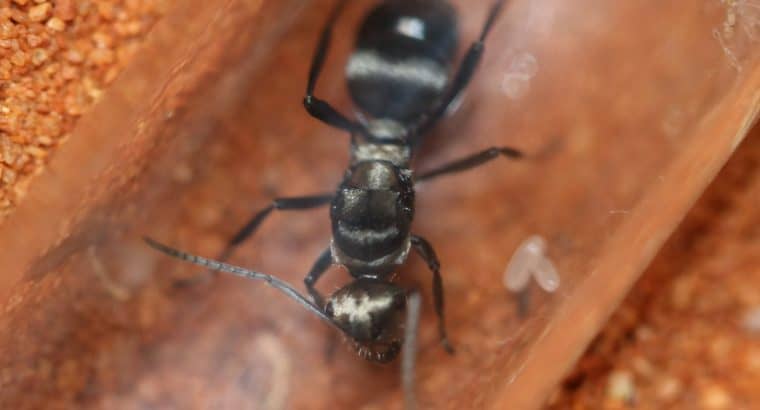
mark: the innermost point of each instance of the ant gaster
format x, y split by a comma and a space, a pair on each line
399, 76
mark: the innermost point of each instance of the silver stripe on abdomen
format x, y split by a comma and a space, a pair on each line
367, 64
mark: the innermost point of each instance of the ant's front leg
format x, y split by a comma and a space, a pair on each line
320, 267
427, 253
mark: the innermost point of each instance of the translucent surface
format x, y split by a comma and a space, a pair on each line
627, 110
531, 261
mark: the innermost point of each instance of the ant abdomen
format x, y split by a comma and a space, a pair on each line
400, 68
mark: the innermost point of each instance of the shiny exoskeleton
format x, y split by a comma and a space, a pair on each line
401, 77
400, 68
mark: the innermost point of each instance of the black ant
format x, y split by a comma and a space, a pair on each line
400, 77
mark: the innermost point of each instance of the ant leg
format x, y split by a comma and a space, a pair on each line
318, 60
409, 349
283, 204
320, 267
464, 74
470, 162
316, 107
424, 249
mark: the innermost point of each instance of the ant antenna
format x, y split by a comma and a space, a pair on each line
409, 352
242, 272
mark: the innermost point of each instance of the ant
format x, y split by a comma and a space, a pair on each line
399, 76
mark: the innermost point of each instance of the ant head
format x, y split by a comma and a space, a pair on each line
372, 313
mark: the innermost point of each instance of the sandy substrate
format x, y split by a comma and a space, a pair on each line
56, 58
688, 336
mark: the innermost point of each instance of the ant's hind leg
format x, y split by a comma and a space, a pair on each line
318, 60
464, 73
317, 108
424, 249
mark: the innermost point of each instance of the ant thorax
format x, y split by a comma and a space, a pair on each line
398, 155
378, 268
396, 151
371, 216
